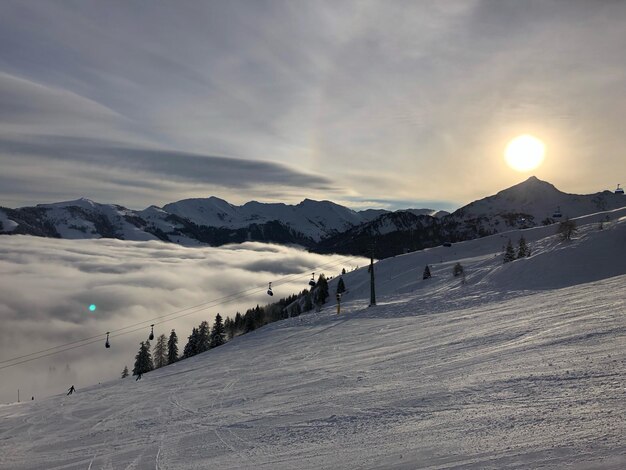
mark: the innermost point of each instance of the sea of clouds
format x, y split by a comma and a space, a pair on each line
47, 286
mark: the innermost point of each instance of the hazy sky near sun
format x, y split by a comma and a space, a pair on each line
48, 284
366, 103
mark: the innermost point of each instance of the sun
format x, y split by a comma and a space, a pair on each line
525, 153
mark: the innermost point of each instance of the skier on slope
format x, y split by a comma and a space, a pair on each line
138, 376
71, 390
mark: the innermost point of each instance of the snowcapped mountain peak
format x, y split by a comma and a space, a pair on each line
82, 202
532, 188
211, 211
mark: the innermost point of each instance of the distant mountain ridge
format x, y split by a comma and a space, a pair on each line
321, 226
528, 204
210, 221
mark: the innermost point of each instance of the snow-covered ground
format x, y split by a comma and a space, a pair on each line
520, 366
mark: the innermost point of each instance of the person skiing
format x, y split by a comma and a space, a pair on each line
71, 390
138, 376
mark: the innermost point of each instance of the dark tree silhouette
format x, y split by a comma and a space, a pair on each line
522, 250
509, 252
191, 348
321, 290
218, 333
341, 287
204, 337
427, 274
172, 348
160, 352
143, 359
457, 270
567, 229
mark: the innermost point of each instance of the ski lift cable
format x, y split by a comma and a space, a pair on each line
215, 302
179, 314
74, 344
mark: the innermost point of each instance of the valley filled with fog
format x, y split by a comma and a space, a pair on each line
48, 285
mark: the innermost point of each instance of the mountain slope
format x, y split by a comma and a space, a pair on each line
313, 219
531, 203
321, 226
528, 204
503, 371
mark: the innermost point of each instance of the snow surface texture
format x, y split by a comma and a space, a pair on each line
519, 365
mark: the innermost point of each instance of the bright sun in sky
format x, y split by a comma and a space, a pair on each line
525, 153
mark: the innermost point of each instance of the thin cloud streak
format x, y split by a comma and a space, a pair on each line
421, 97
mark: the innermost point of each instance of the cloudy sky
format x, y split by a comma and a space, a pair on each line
48, 284
367, 103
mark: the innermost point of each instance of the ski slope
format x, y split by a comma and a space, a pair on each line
520, 366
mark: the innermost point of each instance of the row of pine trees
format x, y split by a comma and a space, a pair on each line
204, 337
523, 250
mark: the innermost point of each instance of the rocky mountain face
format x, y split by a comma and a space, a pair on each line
321, 226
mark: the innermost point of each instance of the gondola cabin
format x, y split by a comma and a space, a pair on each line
619, 190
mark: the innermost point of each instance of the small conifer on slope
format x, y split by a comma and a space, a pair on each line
218, 333
160, 352
172, 348
522, 250
427, 274
143, 359
509, 252
341, 287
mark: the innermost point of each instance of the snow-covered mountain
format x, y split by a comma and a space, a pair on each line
211, 221
321, 226
313, 219
513, 366
529, 204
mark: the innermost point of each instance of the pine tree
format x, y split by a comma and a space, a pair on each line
191, 348
341, 287
143, 359
308, 302
249, 324
160, 352
522, 250
567, 229
229, 328
204, 337
238, 326
139, 366
148, 357
125, 372
509, 253
172, 348
457, 270
321, 290
296, 310
218, 333
427, 274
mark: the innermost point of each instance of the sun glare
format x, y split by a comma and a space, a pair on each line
525, 153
